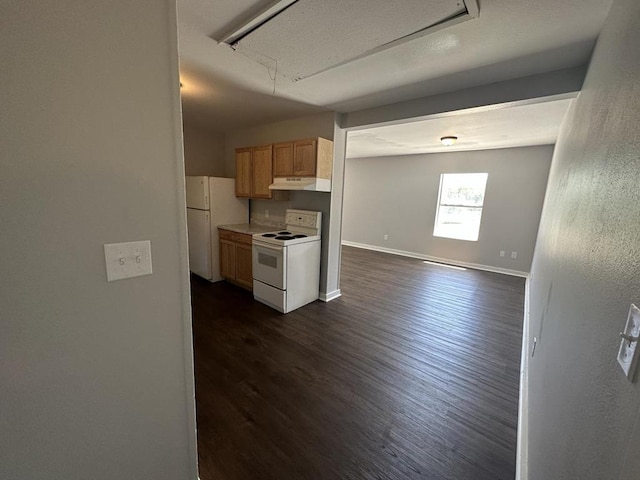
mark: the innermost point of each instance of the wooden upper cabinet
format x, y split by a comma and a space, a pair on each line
254, 173
324, 159
257, 166
304, 158
262, 171
312, 157
244, 172
283, 159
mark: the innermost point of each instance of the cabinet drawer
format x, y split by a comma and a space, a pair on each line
234, 236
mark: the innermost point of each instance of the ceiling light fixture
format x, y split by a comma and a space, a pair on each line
448, 141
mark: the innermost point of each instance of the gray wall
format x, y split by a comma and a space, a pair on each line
559, 84
204, 151
96, 377
321, 125
398, 196
583, 414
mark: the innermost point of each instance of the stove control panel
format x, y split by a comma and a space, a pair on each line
304, 218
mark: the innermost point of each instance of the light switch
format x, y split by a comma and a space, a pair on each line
126, 260
628, 352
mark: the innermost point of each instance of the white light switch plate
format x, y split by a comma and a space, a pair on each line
628, 352
126, 260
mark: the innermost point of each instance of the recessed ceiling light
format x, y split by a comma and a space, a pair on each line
448, 141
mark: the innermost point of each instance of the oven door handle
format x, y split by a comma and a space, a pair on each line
268, 247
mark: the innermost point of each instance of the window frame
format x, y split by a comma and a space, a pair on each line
440, 204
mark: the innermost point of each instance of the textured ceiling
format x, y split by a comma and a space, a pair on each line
220, 105
508, 40
337, 31
517, 126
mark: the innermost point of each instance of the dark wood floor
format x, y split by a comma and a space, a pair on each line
412, 373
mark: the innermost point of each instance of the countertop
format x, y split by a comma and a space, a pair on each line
250, 228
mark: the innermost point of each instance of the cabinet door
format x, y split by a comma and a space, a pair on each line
244, 273
228, 259
244, 172
262, 171
283, 159
304, 158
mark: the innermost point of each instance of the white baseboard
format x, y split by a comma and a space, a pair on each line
522, 451
327, 297
476, 266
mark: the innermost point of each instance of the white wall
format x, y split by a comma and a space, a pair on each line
204, 151
96, 377
583, 414
332, 289
398, 196
321, 125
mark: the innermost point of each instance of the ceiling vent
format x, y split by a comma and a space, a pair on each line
307, 37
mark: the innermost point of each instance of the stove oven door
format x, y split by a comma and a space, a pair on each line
270, 264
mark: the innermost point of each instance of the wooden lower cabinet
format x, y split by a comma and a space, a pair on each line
244, 270
235, 258
227, 259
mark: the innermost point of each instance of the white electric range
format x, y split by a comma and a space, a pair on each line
286, 262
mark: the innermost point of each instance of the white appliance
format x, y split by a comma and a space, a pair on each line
312, 184
286, 263
211, 201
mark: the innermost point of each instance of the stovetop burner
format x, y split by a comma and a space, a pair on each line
301, 227
284, 237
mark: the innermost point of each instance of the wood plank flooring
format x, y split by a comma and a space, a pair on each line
412, 374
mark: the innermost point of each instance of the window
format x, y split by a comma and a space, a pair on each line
460, 205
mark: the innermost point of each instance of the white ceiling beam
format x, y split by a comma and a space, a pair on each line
246, 26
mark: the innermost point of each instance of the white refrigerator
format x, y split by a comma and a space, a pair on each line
211, 201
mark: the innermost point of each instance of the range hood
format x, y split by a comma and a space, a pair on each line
310, 184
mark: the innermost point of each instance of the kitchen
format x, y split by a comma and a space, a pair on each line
262, 256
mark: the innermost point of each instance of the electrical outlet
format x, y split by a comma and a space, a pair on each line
266, 214
514, 255
628, 352
502, 253
386, 237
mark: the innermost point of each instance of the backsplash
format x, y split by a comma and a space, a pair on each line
314, 201
268, 212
